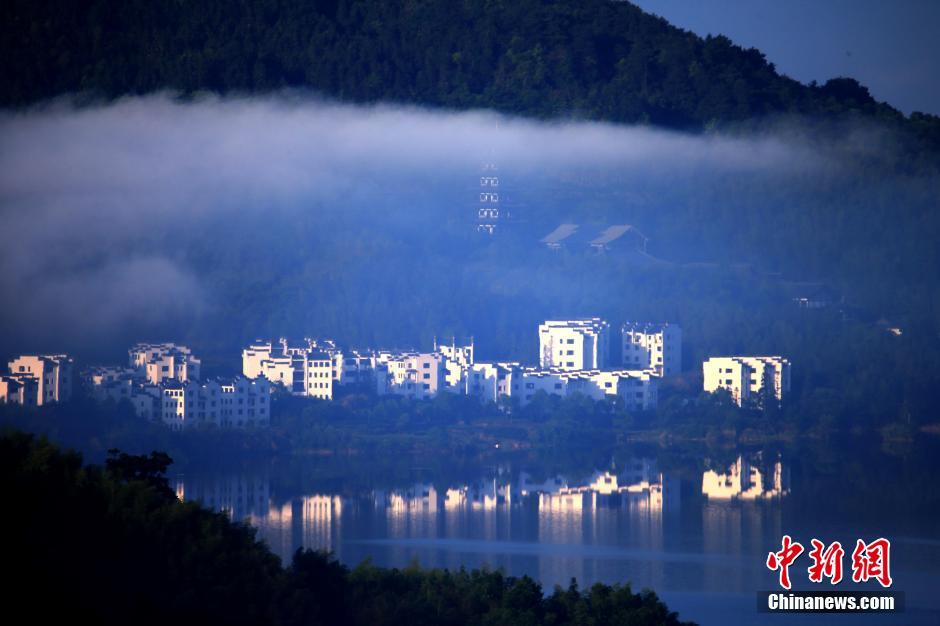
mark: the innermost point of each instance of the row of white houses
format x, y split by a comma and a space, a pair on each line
163, 380
314, 368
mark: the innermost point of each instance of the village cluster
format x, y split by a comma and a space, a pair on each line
163, 380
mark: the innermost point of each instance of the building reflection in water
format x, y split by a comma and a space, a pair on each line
747, 480
620, 523
738, 515
554, 510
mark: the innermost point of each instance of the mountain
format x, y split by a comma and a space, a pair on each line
181, 215
593, 59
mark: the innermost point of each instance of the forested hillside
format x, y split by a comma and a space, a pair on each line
593, 58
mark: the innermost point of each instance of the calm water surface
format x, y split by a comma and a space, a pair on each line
694, 528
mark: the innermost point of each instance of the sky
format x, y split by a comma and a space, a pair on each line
890, 46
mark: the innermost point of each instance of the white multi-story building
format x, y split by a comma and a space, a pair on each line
237, 403
53, 374
748, 377
574, 344
460, 354
159, 362
102, 375
728, 373
19, 389
305, 370
654, 346
639, 389
317, 373
412, 374
457, 363
492, 381
770, 376
254, 356
353, 367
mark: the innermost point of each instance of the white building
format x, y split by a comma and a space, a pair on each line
317, 373
416, 375
353, 367
237, 403
159, 362
654, 346
101, 375
574, 344
302, 370
53, 374
492, 381
460, 354
748, 378
637, 388
19, 389
457, 363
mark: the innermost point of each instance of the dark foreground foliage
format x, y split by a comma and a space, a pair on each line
113, 545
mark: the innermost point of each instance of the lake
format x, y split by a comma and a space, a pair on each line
694, 525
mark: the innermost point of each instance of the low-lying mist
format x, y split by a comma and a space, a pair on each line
154, 218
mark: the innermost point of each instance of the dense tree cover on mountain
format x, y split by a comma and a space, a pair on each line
595, 58
112, 545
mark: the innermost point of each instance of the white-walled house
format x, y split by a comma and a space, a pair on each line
637, 388
159, 362
728, 373
748, 377
416, 375
302, 370
492, 381
318, 375
19, 389
53, 374
462, 355
770, 375
652, 346
574, 344
254, 356
353, 367
236, 403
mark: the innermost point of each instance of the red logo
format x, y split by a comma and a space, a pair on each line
869, 561
783, 559
872, 560
826, 562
